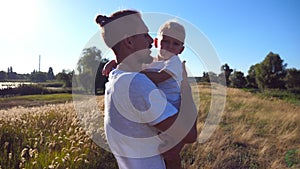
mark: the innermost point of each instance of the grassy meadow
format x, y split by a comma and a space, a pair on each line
34, 100
255, 132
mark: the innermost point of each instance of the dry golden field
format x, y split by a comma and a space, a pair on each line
254, 133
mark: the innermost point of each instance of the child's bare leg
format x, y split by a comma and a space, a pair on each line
174, 163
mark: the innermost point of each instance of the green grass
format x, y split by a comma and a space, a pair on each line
35, 100
292, 157
48, 97
286, 95
283, 95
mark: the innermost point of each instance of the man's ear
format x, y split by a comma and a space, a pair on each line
128, 42
155, 42
181, 50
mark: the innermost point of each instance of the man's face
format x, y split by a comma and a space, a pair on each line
142, 43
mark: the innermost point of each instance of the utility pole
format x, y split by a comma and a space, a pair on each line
39, 63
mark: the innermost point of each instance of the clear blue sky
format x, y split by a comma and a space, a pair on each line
242, 32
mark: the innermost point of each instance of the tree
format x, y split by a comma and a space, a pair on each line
209, 77
87, 67
226, 72
270, 72
205, 77
90, 60
238, 79
50, 74
66, 77
3, 75
293, 79
251, 81
213, 77
38, 76
11, 74
9, 70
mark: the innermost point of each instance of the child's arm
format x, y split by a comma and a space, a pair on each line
108, 67
157, 77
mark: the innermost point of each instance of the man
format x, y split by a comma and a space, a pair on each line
135, 110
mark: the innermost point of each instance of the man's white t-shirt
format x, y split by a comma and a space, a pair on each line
133, 104
171, 86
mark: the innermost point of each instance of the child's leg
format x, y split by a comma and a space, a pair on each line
175, 163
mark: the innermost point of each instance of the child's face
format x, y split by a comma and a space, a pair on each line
170, 46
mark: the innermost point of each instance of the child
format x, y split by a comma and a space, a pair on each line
166, 70
166, 73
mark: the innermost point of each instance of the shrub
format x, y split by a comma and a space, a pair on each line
24, 90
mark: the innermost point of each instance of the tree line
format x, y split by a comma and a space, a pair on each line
34, 76
271, 73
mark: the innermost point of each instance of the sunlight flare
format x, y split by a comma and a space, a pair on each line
19, 19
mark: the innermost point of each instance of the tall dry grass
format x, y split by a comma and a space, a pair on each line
48, 137
254, 133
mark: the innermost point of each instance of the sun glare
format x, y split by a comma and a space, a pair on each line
18, 19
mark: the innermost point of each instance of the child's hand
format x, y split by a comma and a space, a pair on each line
108, 67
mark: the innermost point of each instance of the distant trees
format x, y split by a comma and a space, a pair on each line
3, 75
209, 77
238, 79
89, 61
226, 70
251, 77
205, 77
270, 72
11, 74
292, 79
50, 74
66, 77
89, 69
89, 77
36, 76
